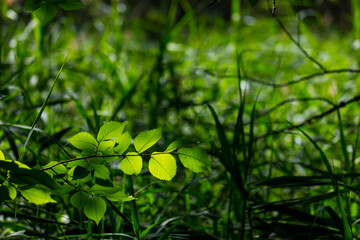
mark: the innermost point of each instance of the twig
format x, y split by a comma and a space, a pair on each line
311, 120
105, 156
290, 100
273, 8
299, 46
286, 84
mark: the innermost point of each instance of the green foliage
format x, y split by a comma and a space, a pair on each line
45, 10
83, 173
158, 67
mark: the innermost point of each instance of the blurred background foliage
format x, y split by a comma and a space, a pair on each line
157, 64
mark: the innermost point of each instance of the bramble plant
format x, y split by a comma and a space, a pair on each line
87, 177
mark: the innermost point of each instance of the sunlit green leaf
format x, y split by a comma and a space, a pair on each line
105, 145
162, 166
131, 164
195, 159
46, 12
79, 199
178, 144
37, 196
70, 5
83, 141
119, 196
12, 192
147, 139
13, 166
110, 130
101, 172
102, 190
95, 209
123, 142
2, 156
59, 169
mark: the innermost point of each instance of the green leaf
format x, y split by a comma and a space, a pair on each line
79, 199
101, 172
178, 144
40, 177
119, 196
98, 189
12, 192
110, 130
123, 142
70, 5
162, 166
2, 156
131, 164
59, 169
46, 12
194, 159
37, 196
80, 172
147, 139
95, 209
81, 163
32, 5
253, 2
106, 145
83, 141
13, 166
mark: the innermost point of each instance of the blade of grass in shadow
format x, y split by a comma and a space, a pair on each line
127, 97
133, 208
225, 154
239, 134
42, 109
343, 142
347, 228
346, 156
167, 232
84, 114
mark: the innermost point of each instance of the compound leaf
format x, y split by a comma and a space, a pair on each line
162, 166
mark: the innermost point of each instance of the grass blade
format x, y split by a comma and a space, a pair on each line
42, 108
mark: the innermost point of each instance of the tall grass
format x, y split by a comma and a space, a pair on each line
268, 178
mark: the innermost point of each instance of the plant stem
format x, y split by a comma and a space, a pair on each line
133, 209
